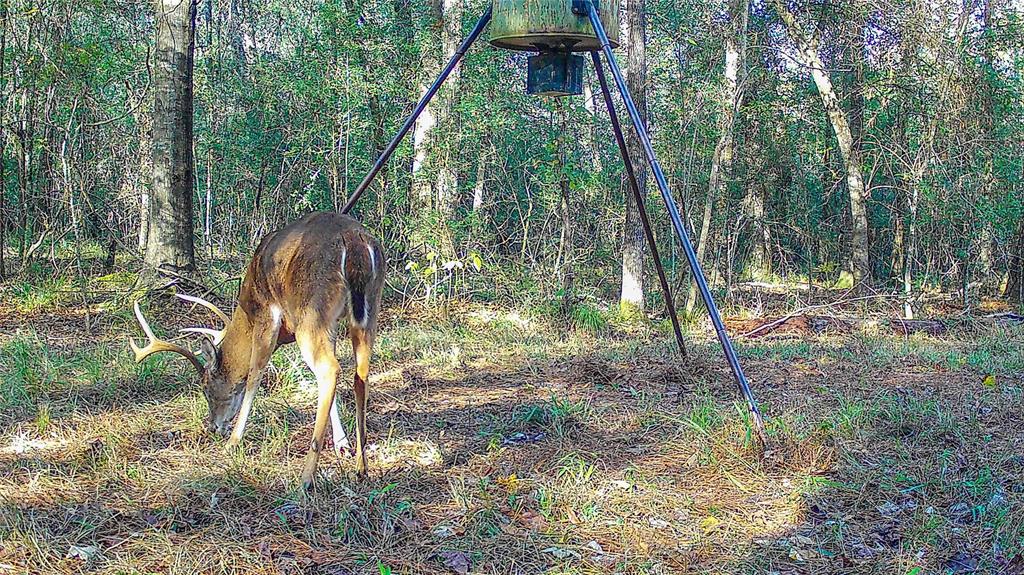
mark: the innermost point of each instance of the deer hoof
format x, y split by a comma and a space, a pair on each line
342, 448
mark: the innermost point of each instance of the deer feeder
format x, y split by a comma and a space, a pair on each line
554, 29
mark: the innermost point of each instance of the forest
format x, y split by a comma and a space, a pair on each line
850, 173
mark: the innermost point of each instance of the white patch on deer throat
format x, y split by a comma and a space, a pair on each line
344, 253
373, 259
275, 315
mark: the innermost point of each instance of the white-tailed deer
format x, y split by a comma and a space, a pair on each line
303, 281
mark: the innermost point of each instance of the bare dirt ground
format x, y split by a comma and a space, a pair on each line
503, 443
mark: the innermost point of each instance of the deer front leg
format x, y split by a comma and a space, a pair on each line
263, 344
318, 352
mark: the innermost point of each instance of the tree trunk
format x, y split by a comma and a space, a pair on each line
589, 132
3, 140
631, 297
722, 160
240, 36
447, 98
169, 242
759, 239
758, 235
984, 267
402, 173
480, 184
24, 164
1015, 284
563, 263
430, 66
910, 242
807, 50
142, 170
856, 56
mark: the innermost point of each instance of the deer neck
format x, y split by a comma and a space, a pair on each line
236, 349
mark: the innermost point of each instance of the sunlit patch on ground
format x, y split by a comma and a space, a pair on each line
404, 453
23, 444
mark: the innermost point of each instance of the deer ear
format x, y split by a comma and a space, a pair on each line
209, 353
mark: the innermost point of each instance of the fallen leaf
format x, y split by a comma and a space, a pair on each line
989, 381
520, 438
571, 516
533, 520
657, 523
510, 483
599, 556
293, 514
962, 563
961, 513
800, 554
457, 561
83, 552
801, 540
443, 531
709, 523
410, 523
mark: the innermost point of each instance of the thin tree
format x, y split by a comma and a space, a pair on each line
722, 159
169, 243
631, 296
807, 45
3, 139
442, 38
1015, 283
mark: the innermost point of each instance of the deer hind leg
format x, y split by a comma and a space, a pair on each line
263, 344
362, 346
318, 352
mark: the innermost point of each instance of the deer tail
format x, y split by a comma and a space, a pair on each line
362, 264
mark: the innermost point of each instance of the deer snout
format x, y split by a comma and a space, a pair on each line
219, 428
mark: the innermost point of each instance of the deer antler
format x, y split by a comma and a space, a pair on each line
217, 335
157, 345
198, 300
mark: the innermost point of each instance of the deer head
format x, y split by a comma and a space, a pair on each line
223, 396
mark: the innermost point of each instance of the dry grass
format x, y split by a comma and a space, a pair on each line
502, 445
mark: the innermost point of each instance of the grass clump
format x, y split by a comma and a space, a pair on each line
27, 371
35, 297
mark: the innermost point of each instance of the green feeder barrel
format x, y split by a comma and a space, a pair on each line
540, 25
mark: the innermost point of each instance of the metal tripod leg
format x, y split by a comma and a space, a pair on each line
390, 149
634, 187
677, 222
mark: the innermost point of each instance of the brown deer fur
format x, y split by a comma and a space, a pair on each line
303, 281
